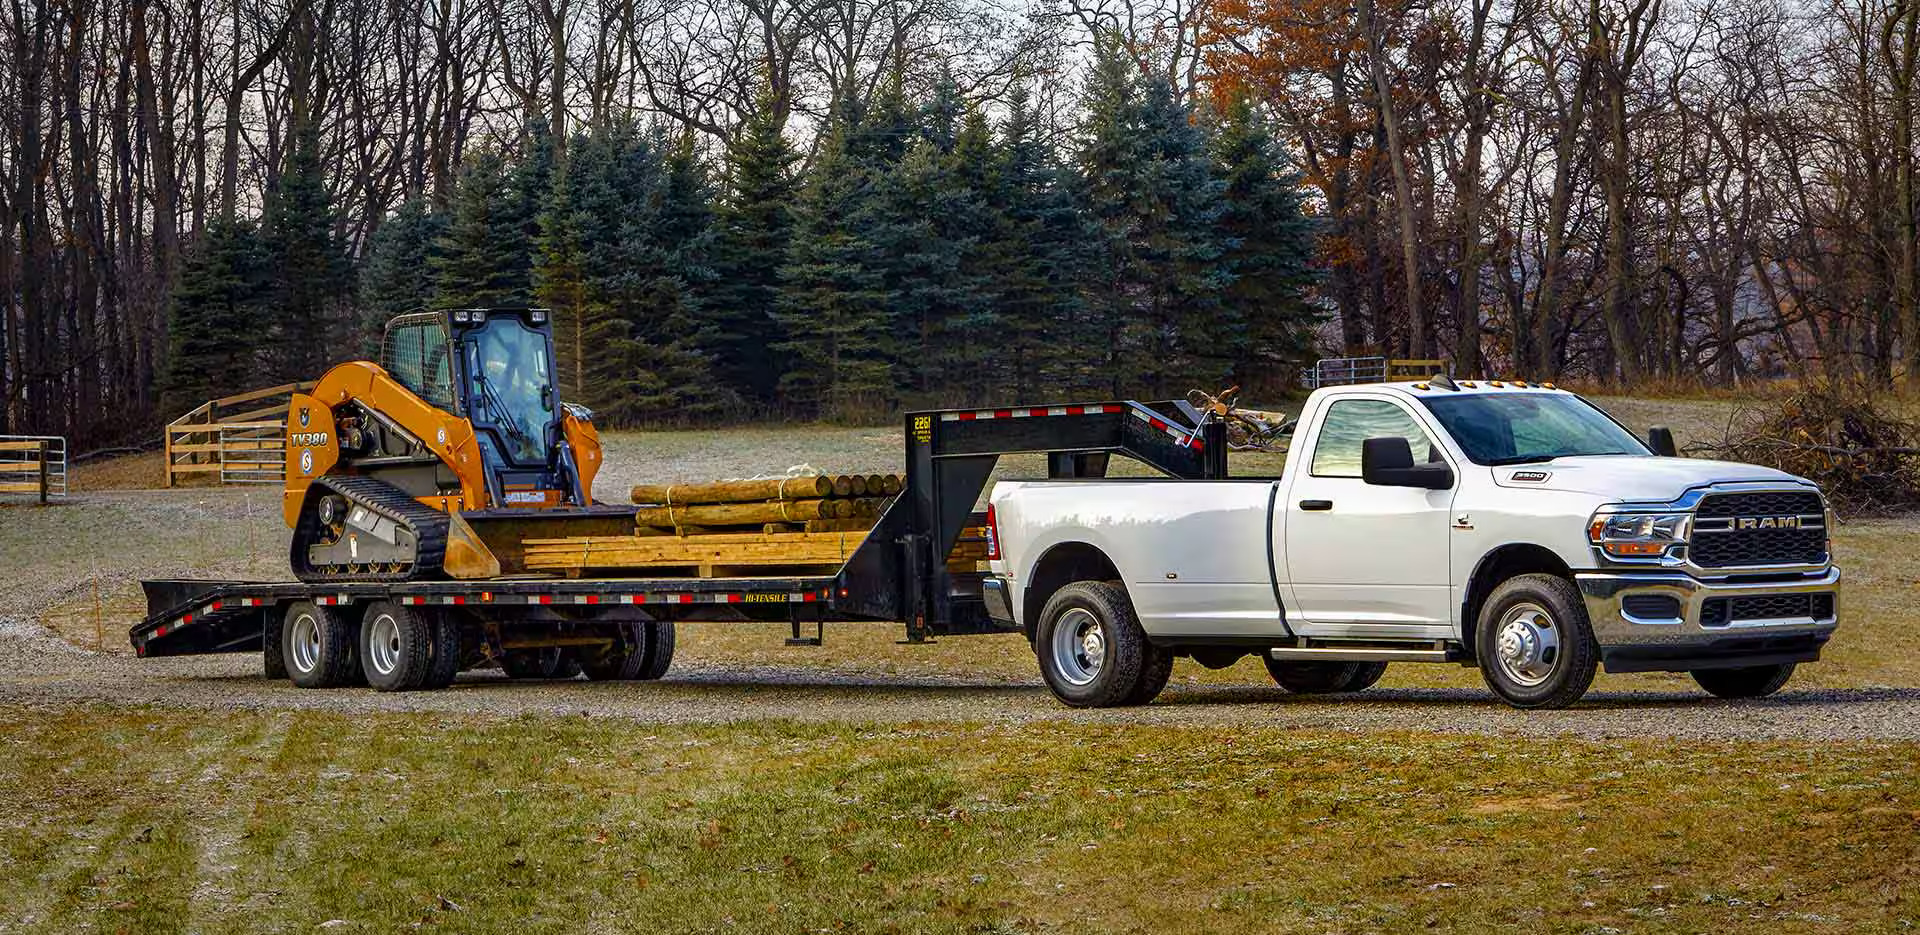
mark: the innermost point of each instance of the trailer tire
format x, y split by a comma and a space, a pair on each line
1092, 651
1746, 682
273, 656
623, 660
317, 644
444, 659
661, 639
1535, 646
396, 647
552, 662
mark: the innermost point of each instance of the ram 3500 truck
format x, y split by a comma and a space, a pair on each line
1511, 526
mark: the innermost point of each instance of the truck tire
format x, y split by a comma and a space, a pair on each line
1311, 678
1324, 678
1748, 682
1092, 651
1535, 646
317, 644
1365, 676
396, 647
444, 659
273, 656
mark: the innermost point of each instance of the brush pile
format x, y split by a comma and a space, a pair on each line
1846, 437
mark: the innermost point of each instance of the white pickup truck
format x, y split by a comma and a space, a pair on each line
1511, 526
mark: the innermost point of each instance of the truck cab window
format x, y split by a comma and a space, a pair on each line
1350, 422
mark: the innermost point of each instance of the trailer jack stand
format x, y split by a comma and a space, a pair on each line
819, 630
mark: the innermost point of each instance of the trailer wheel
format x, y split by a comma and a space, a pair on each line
1535, 646
317, 644
1747, 682
1092, 651
445, 656
396, 647
552, 662
273, 658
644, 652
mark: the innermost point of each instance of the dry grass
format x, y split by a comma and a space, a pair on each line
151, 821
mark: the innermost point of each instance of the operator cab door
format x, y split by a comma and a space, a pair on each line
1362, 560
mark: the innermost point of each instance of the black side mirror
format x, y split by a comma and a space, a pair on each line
1388, 462
1660, 439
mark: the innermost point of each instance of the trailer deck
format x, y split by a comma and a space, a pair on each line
899, 572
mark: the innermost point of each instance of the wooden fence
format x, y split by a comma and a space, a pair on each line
240, 439
33, 465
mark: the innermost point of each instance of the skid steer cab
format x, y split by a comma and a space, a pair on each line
461, 417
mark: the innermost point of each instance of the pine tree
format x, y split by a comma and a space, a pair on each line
312, 277
834, 304
621, 240
1268, 244
754, 224
483, 258
1150, 190
1039, 249
397, 276
216, 316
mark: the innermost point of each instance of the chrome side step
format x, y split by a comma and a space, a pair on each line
1436, 651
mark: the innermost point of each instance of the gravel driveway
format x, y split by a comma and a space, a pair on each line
105, 542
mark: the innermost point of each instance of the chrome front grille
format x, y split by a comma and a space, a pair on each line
1750, 529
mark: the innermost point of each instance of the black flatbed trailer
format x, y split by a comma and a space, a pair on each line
898, 573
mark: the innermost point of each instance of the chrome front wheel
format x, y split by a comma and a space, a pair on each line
1527, 645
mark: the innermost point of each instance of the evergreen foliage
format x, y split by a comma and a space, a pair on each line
397, 275
1151, 193
754, 223
1268, 243
311, 275
834, 302
216, 313
927, 256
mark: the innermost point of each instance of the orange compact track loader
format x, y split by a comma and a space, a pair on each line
440, 459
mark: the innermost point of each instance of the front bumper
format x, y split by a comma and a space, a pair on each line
1681, 642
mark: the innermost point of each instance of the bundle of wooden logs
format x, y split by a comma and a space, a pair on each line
807, 503
808, 524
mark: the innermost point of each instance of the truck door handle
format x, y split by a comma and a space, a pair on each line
1316, 505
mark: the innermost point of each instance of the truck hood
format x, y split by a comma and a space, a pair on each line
1629, 478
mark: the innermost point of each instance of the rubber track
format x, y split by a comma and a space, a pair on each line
428, 524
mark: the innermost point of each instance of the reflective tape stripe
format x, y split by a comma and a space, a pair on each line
976, 415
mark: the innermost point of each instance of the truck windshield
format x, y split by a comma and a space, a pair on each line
510, 382
1516, 428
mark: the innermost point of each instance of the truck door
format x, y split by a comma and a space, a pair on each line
1363, 560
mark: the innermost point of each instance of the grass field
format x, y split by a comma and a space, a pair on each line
139, 821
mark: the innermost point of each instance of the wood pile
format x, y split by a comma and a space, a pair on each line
808, 524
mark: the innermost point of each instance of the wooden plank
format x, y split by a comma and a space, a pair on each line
773, 488
22, 446
15, 487
747, 549
281, 390
280, 410
190, 468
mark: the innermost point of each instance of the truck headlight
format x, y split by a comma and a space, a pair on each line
1638, 535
